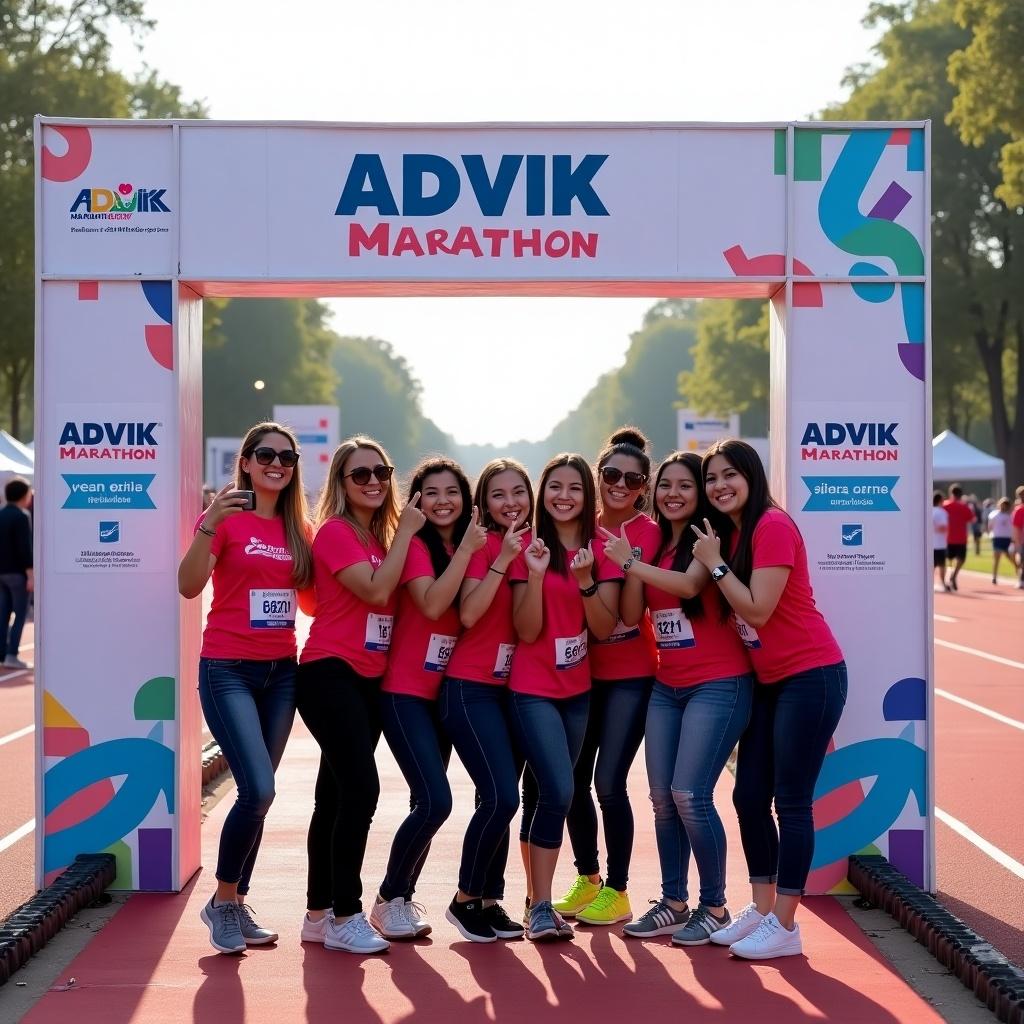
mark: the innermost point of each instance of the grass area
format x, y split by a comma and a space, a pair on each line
983, 562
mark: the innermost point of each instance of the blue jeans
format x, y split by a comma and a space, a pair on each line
691, 731
475, 716
13, 601
780, 757
249, 707
615, 728
412, 728
550, 733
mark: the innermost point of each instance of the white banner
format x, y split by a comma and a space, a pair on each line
316, 428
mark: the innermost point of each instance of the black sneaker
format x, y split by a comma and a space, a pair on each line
501, 924
471, 920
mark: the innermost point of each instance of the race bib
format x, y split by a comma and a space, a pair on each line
272, 609
621, 633
570, 651
503, 662
439, 650
378, 632
672, 629
747, 633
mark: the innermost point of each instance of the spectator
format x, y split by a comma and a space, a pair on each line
978, 526
209, 493
16, 574
1000, 525
960, 517
940, 530
1017, 533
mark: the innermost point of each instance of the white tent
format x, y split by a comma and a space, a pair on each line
953, 459
12, 447
10, 467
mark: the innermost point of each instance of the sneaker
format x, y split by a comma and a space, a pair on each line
526, 912
501, 924
471, 920
952, 583
391, 919
609, 906
223, 922
565, 930
995, 582
354, 935
417, 917
699, 929
13, 661
253, 934
661, 919
581, 894
315, 931
768, 941
544, 923
742, 925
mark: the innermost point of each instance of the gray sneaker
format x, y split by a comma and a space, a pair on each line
253, 934
13, 661
544, 923
699, 929
661, 919
225, 927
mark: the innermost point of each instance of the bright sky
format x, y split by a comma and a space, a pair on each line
537, 60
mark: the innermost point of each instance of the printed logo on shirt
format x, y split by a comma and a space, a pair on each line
853, 535
265, 550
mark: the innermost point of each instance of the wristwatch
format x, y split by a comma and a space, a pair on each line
627, 564
719, 572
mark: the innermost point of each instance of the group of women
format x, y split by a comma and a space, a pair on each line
543, 643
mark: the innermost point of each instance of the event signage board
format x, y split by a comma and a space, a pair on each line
695, 432
316, 428
221, 453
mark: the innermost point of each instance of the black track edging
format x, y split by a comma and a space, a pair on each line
997, 982
34, 923
215, 763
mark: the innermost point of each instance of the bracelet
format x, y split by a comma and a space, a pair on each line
491, 568
209, 533
589, 591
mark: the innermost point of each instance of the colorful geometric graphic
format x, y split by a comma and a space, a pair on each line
160, 337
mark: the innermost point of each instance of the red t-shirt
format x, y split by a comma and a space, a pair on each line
796, 637
960, 517
484, 651
693, 651
555, 664
345, 626
1017, 522
254, 600
421, 647
629, 653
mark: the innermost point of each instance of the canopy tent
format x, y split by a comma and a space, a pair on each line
953, 459
13, 467
13, 448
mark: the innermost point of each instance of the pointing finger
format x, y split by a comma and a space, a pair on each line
415, 499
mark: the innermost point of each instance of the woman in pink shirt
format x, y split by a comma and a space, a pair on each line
258, 555
560, 591
796, 707
426, 629
359, 551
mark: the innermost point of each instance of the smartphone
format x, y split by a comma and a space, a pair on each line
250, 500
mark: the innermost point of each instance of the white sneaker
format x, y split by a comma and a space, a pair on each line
355, 935
769, 940
742, 925
391, 918
315, 931
417, 918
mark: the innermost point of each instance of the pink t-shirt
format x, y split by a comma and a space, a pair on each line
629, 653
693, 651
556, 664
254, 600
960, 517
796, 637
421, 647
345, 626
1017, 521
484, 651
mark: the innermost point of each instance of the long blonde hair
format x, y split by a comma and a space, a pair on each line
291, 502
332, 502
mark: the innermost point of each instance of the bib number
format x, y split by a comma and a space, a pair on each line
272, 609
378, 632
570, 651
439, 651
672, 629
503, 662
747, 633
621, 633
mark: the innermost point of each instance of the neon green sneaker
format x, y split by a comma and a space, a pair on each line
580, 895
609, 906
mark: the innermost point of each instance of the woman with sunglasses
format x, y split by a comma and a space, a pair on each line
474, 702
560, 591
622, 671
796, 706
698, 708
426, 629
359, 551
258, 555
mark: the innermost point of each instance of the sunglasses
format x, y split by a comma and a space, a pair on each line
362, 475
265, 456
634, 481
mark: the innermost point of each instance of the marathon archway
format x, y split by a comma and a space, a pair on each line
138, 221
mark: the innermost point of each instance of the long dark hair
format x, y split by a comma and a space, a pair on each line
428, 532
747, 463
491, 470
693, 607
546, 529
629, 441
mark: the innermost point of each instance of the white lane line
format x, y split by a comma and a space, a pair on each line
984, 845
943, 618
979, 708
19, 833
12, 736
13, 675
979, 654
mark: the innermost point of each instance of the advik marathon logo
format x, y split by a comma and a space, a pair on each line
117, 442
118, 204
556, 185
850, 442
